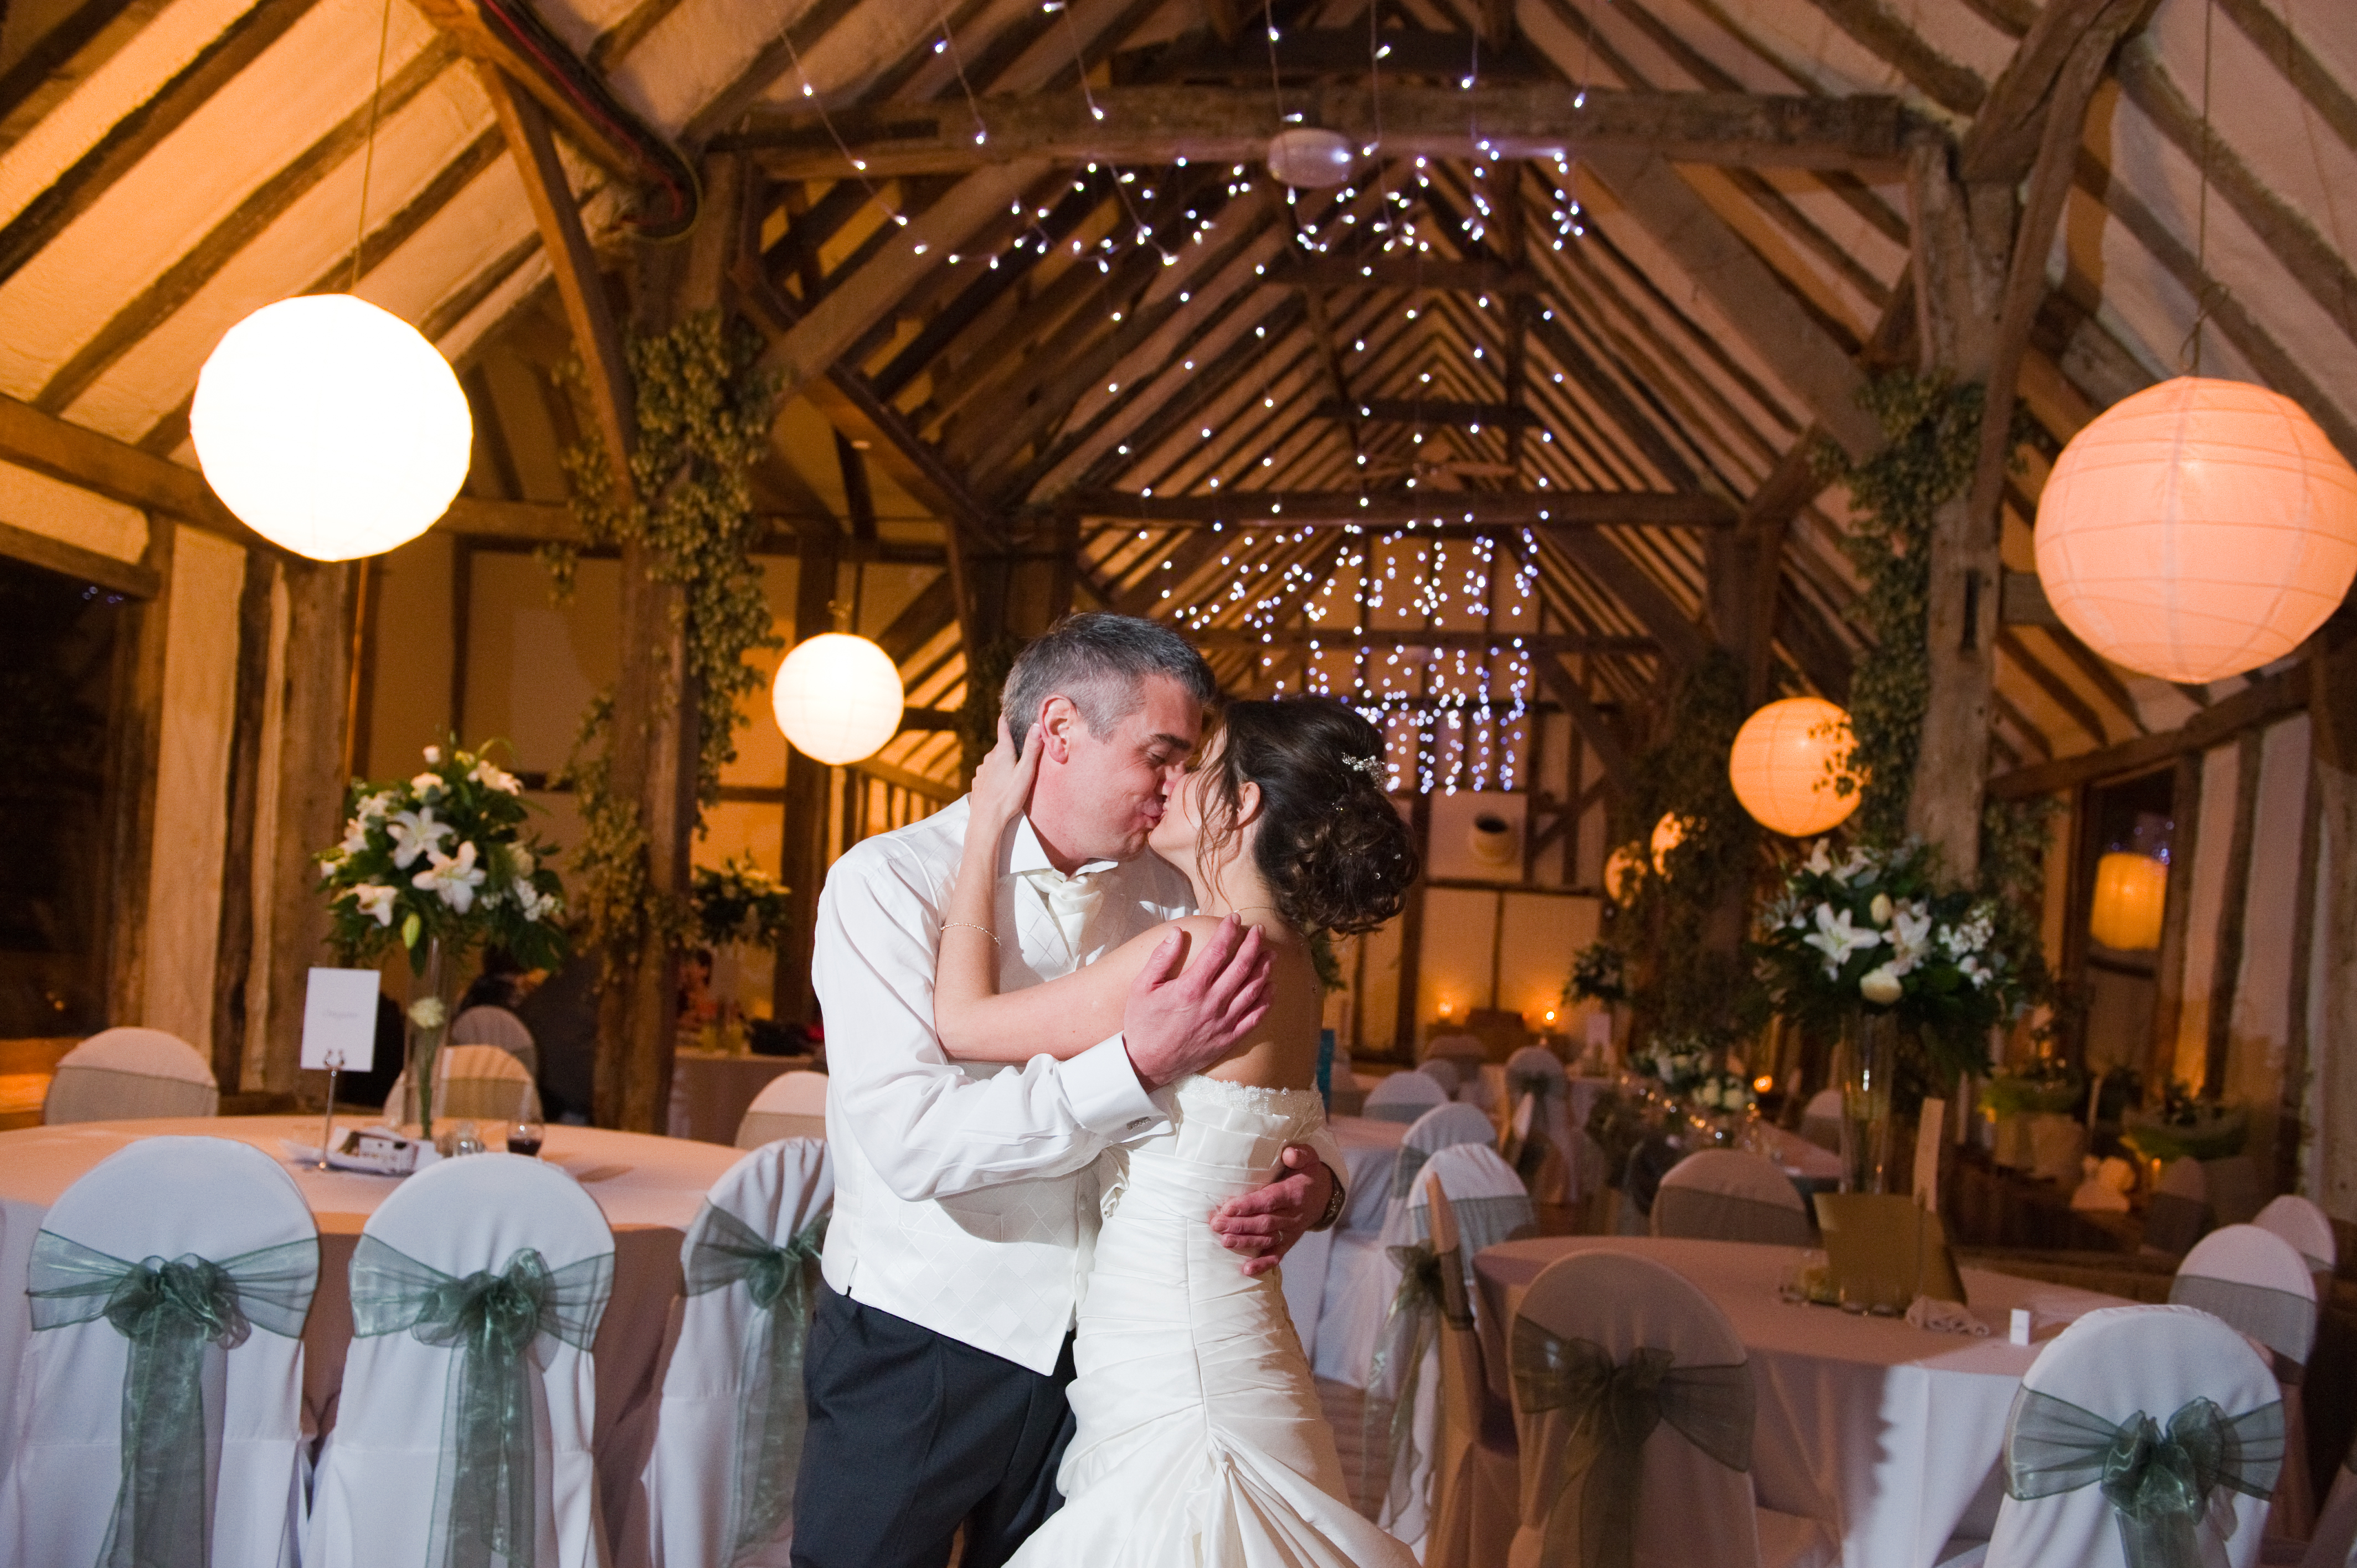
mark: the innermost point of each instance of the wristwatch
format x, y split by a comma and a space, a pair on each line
1333, 1205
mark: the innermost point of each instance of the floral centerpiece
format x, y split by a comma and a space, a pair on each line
1729, 1093
1677, 1063
2047, 1087
740, 903
1598, 973
2186, 1127
438, 864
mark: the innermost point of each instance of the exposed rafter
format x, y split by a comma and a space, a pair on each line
1392, 509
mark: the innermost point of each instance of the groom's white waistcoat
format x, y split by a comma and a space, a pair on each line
965, 1198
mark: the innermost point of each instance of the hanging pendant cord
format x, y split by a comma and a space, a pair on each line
2204, 288
367, 157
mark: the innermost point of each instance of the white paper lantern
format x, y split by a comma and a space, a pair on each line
838, 698
331, 427
1309, 159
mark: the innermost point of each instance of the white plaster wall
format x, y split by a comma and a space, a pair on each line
39, 504
191, 787
2216, 831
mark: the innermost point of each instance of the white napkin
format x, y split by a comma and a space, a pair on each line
1945, 1318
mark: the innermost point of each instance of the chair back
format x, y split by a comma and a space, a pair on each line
1725, 1194
1443, 1070
790, 1105
489, 1025
1684, 1493
1490, 1205
1404, 1096
122, 1074
2180, 1210
2117, 1368
1457, 1392
2300, 1222
1429, 1134
472, 1083
2257, 1283
718, 1486
458, 1253
176, 1426
1467, 1050
1821, 1119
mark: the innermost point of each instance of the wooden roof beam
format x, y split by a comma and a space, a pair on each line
1163, 124
1411, 272
1437, 411
1566, 510
1344, 638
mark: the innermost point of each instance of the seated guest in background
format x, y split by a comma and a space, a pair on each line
562, 1013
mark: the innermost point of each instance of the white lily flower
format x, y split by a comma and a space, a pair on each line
428, 1012
452, 878
434, 754
1881, 986
426, 784
414, 834
1836, 938
1821, 860
375, 898
355, 836
372, 808
493, 777
1911, 940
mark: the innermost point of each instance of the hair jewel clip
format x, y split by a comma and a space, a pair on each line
1373, 767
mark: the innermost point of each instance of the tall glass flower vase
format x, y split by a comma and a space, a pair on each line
428, 1018
1864, 1066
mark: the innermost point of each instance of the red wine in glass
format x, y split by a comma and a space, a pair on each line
525, 1138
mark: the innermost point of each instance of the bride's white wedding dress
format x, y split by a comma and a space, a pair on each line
1200, 1442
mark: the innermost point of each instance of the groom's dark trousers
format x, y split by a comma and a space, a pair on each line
912, 1433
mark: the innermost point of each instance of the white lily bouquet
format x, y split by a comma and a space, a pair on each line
439, 864
1678, 1063
1722, 1092
1873, 930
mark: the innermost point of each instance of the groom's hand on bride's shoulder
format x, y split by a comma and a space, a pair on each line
1264, 1223
1180, 1023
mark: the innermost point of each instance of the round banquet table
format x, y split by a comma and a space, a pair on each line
1889, 1434
648, 1188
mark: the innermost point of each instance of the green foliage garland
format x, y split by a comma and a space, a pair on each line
703, 416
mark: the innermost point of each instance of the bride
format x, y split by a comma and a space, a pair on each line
1199, 1438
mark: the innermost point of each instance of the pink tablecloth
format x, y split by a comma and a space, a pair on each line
1888, 1433
648, 1188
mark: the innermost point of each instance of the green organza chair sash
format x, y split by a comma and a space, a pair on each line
1700, 1215
174, 1314
1529, 1154
724, 1250
2282, 1320
486, 1493
2158, 1480
1608, 1409
1430, 1289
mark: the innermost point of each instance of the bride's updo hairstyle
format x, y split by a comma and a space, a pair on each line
1330, 845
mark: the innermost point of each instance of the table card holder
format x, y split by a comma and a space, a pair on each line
1886, 1251
338, 1033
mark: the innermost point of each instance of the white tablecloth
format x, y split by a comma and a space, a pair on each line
1371, 1149
648, 1188
1889, 1434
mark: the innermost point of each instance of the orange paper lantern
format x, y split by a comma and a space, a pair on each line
1621, 869
2198, 530
1668, 834
2131, 890
1784, 762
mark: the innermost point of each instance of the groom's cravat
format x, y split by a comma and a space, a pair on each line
1072, 901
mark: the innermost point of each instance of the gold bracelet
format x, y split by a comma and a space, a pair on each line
970, 925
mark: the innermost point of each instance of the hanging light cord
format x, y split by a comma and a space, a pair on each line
367, 157
2204, 288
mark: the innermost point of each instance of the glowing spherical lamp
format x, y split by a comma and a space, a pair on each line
2130, 892
331, 427
2198, 530
838, 698
1668, 834
1621, 869
1784, 763
1309, 159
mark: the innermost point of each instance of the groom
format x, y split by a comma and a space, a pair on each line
966, 1207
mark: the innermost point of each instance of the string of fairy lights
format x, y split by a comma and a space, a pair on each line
1455, 716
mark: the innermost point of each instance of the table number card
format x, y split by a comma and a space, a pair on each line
339, 1020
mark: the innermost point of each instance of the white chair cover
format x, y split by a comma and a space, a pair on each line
697, 1501
790, 1105
488, 1026
2303, 1224
1690, 1508
1361, 1277
1821, 1119
164, 1198
375, 1497
1443, 1070
1488, 1198
2334, 1545
472, 1083
1538, 1094
1470, 1460
2257, 1282
120, 1074
1404, 1096
1725, 1194
2115, 1364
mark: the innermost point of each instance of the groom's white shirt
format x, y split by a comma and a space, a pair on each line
966, 1198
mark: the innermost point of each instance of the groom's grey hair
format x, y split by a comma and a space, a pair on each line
1101, 663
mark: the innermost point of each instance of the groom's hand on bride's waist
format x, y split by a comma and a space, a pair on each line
1263, 1224
1176, 1024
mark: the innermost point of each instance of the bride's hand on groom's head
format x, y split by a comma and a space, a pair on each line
1001, 785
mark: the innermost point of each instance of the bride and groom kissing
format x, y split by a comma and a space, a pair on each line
1073, 1030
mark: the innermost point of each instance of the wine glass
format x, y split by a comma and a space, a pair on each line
524, 1136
